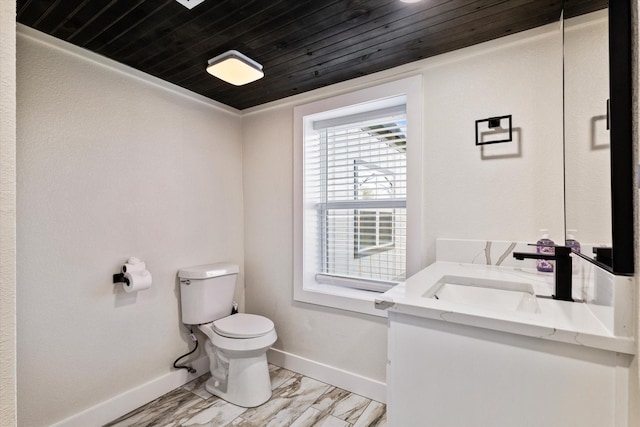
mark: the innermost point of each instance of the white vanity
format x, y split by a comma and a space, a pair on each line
472, 345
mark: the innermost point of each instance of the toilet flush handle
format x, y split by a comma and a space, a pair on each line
186, 282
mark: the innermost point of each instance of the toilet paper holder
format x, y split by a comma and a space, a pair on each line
131, 264
119, 278
133, 276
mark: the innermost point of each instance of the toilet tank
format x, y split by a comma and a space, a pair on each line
206, 292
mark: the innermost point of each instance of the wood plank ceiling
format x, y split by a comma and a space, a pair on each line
302, 44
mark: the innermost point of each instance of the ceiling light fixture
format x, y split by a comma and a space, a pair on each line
235, 68
410, 1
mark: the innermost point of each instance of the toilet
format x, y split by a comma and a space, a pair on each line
236, 344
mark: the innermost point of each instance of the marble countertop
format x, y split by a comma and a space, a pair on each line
570, 322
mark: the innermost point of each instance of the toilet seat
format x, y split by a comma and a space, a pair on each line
242, 325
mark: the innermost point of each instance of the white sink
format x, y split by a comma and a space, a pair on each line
489, 294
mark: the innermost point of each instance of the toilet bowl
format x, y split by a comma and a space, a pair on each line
236, 343
237, 349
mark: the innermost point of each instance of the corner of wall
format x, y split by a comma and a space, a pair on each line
8, 214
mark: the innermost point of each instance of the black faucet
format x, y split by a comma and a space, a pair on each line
562, 257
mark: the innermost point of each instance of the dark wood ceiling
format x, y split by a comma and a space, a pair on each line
302, 44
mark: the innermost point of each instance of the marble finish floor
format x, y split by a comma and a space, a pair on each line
297, 401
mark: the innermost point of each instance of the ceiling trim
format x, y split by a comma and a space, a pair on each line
412, 68
303, 45
402, 71
40, 37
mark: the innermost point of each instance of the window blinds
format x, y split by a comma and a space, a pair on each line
355, 193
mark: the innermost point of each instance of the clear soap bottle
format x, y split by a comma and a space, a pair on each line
575, 247
545, 246
571, 241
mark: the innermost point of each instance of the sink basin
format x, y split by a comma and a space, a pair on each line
484, 293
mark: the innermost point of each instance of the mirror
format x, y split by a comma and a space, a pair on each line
586, 131
598, 149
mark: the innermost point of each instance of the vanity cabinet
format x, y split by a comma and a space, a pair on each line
444, 374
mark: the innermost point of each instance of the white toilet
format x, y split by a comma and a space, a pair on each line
237, 344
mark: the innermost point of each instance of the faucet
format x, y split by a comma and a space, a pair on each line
562, 257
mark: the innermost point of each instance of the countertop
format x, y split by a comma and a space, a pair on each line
569, 322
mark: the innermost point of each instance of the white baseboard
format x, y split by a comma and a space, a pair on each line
349, 381
121, 404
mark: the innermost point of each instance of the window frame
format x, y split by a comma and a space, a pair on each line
306, 288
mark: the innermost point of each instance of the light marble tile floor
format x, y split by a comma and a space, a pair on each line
297, 401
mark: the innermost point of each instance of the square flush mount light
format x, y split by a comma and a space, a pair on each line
190, 4
235, 68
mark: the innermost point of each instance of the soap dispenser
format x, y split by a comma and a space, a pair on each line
571, 241
575, 247
545, 246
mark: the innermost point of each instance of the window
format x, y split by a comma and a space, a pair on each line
357, 222
356, 179
374, 232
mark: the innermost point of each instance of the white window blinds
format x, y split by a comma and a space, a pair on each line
356, 194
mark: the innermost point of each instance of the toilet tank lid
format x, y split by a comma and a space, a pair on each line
206, 271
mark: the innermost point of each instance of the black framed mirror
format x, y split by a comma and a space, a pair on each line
622, 176
599, 178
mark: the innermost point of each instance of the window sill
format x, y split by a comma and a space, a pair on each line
356, 300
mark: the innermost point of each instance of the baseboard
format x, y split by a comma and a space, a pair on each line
349, 381
121, 404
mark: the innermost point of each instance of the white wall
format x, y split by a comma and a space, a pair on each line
507, 198
7, 214
111, 166
351, 342
587, 176
505, 191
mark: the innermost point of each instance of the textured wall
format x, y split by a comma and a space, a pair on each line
587, 177
348, 341
466, 195
7, 214
110, 166
505, 191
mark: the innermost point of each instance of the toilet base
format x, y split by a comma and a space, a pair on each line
248, 382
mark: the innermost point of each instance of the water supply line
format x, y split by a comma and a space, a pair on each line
188, 368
